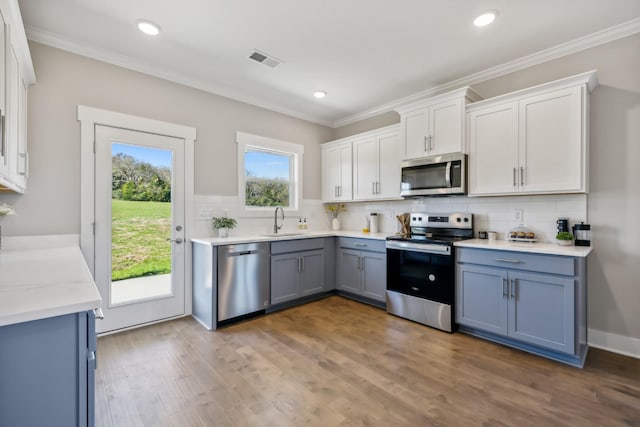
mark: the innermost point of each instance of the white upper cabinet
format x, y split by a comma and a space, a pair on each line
337, 173
376, 167
16, 74
362, 167
435, 126
533, 141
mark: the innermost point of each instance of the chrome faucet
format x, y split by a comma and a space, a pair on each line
276, 227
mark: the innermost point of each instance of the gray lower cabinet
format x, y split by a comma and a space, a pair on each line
47, 371
362, 267
297, 269
537, 304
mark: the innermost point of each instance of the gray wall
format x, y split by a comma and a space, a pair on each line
51, 204
614, 175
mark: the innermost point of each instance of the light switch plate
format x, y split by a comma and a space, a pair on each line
518, 215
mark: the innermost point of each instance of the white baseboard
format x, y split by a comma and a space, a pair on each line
620, 344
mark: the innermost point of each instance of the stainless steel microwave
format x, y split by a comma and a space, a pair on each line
435, 176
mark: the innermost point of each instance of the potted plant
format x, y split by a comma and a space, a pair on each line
223, 224
564, 238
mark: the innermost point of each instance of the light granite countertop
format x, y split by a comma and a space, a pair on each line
232, 240
536, 248
46, 282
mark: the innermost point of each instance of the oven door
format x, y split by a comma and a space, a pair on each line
414, 269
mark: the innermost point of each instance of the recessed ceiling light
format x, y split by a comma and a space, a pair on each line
320, 94
485, 19
148, 27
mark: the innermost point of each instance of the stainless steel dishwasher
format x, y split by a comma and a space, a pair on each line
243, 279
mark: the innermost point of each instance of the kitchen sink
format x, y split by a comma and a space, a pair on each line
282, 234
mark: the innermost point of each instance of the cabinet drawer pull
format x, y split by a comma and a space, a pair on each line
513, 261
361, 245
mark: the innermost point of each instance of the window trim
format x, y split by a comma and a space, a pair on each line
263, 143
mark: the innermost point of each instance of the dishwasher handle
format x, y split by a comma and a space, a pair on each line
241, 253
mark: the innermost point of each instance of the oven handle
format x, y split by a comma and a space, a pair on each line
420, 247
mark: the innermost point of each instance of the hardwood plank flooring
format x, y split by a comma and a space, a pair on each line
337, 362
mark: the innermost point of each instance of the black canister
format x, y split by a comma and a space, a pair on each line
582, 234
563, 224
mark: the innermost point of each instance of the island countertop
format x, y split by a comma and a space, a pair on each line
41, 283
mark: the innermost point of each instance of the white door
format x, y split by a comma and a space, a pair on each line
414, 133
389, 155
139, 226
365, 173
445, 127
493, 150
551, 154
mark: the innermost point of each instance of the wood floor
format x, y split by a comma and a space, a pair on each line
336, 362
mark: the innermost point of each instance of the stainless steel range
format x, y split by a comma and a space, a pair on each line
421, 268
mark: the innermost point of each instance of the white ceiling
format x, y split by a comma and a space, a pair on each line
364, 53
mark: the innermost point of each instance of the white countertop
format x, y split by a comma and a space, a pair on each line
536, 248
40, 283
232, 240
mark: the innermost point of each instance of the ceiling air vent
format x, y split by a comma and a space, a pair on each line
263, 58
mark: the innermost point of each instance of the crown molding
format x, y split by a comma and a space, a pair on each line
582, 43
84, 49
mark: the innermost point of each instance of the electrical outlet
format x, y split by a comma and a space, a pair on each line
205, 214
518, 215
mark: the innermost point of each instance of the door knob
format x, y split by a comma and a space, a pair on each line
178, 240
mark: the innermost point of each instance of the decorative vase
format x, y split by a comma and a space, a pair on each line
335, 224
223, 232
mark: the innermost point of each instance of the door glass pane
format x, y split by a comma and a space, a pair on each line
140, 223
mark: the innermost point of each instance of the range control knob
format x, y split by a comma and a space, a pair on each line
459, 219
466, 219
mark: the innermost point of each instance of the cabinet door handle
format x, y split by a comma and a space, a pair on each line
339, 190
430, 142
513, 261
504, 286
377, 187
23, 157
514, 177
373, 187
521, 175
426, 144
512, 288
360, 263
301, 264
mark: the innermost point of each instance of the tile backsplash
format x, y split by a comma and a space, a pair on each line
490, 213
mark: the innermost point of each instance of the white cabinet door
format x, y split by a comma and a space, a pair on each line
13, 113
390, 157
4, 41
551, 154
493, 149
445, 127
365, 168
336, 173
415, 132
